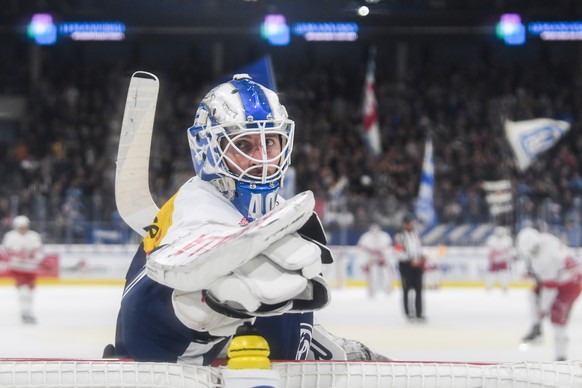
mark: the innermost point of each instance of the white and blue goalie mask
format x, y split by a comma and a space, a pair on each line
235, 140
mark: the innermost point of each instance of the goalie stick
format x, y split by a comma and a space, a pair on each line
132, 193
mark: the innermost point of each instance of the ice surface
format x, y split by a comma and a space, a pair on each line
464, 324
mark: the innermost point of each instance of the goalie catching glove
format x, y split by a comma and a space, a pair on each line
284, 278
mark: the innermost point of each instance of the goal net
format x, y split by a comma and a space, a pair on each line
338, 374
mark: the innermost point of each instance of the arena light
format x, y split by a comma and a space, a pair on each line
42, 29
363, 11
511, 30
331, 31
95, 31
556, 30
275, 30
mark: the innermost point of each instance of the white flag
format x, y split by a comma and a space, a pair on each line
530, 138
425, 212
498, 196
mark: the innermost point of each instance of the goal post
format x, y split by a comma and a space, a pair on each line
338, 374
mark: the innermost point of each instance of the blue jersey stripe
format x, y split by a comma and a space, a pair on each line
253, 98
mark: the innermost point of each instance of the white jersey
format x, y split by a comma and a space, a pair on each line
376, 243
500, 249
24, 251
554, 262
197, 209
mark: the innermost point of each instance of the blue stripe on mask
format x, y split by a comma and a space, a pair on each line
254, 100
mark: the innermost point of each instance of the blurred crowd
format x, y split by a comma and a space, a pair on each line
58, 161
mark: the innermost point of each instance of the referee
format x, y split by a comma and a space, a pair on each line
408, 249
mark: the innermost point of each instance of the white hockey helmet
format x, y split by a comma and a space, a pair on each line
229, 111
20, 222
527, 241
500, 231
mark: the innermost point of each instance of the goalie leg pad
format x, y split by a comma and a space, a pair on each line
331, 347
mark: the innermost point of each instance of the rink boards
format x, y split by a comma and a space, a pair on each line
107, 264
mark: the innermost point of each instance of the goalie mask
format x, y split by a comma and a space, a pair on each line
241, 142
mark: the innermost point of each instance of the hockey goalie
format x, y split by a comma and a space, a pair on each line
226, 249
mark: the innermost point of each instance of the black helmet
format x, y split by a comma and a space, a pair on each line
408, 218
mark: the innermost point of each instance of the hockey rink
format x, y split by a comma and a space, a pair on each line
464, 324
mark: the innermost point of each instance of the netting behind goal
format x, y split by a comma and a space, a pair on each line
338, 374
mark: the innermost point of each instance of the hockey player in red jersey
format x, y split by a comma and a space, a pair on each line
558, 278
23, 248
500, 254
377, 244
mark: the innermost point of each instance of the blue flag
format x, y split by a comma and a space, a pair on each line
261, 71
425, 212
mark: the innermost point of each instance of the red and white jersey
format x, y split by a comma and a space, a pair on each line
554, 263
500, 249
24, 251
376, 242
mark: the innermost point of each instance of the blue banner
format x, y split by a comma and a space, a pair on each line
261, 71
425, 212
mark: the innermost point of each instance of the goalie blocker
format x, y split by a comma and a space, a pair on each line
194, 260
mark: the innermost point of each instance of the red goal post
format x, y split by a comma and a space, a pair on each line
39, 373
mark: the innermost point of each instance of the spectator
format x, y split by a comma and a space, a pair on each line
72, 126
